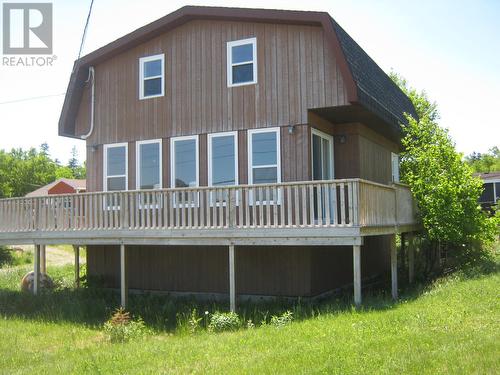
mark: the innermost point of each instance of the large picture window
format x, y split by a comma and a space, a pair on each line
184, 159
151, 76
264, 156
148, 168
115, 167
242, 62
223, 159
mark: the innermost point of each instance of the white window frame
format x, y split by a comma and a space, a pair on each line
142, 61
105, 166
138, 161
250, 134
105, 172
329, 138
209, 156
230, 64
395, 176
209, 148
495, 193
172, 158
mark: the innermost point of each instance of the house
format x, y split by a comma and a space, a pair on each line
60, 186
246, 152
491, 192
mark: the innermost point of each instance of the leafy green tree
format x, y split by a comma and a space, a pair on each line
488, 162
22, 171
442, 183
78, 171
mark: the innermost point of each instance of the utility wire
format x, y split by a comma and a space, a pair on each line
33, 98
85, 30
79, 55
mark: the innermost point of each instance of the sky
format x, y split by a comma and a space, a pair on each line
450, 49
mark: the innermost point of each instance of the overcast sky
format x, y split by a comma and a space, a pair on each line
449, 48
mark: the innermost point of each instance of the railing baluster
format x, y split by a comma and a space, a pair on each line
289, 206
268, 207
342, 204
319, 206
171, 203
275, 207
304, 206
253, 195
334, 204
296, 222
327, 204
261, 210
349, 199
281, 196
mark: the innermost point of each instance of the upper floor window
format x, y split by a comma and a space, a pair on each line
115, 167
242, 62
151, 76
149, 164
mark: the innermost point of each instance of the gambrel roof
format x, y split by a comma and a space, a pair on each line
372, 94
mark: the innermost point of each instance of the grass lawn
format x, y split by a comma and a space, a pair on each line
450, 327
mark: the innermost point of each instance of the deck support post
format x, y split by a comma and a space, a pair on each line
76, 249
394, 268
123, 277
36, 273
356, 256
232, 280
411, 258
43, 259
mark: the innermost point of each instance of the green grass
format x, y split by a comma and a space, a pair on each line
14, 257
450, 327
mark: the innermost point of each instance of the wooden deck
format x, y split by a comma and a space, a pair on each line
336, 212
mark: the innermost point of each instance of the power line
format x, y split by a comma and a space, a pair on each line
85, 30
32, 98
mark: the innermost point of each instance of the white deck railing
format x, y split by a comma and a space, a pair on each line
312, 204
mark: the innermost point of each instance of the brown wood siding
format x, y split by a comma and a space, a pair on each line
296, 71
281, 271
359, 152
332, 267
94, 168
260, 270
295, 153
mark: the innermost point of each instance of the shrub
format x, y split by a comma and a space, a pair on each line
282, 320
122, 328
224, 322
194, 321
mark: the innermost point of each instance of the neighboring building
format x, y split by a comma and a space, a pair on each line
242, 150
60, 186
491, 192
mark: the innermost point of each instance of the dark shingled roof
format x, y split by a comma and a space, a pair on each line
376, 90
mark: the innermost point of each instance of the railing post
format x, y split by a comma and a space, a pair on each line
232, 208
356, 256
36, 273
394, 268
124, 211
232, 279
76, 250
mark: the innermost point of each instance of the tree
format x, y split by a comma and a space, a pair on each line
77, 170
22, 171
488, 162
442, 183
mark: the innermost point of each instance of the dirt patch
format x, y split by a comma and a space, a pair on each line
57, 256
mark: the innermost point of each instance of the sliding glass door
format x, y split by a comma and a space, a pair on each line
322, 169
